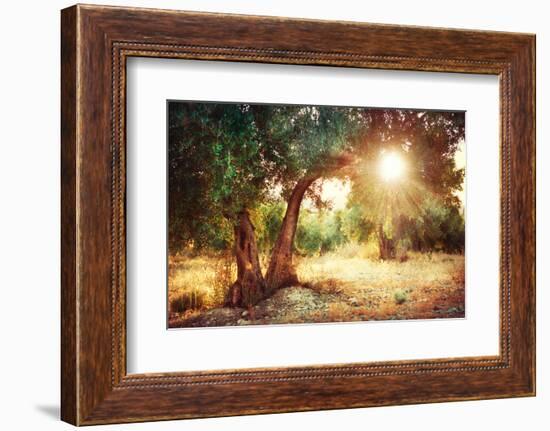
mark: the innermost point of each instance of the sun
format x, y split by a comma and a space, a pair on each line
391, 167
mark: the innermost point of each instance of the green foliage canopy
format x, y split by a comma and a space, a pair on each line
224, 158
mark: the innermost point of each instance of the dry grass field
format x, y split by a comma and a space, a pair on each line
349, 285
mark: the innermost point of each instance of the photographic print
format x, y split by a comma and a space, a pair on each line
286, 214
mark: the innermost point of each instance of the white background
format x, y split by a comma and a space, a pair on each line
29, 225
151, 348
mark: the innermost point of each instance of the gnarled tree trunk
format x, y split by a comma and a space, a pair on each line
281, 271
250, 286
385, 244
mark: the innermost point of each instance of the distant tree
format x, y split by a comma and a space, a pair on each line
309, 234
427, 142
437, 227
267, 219
357, 226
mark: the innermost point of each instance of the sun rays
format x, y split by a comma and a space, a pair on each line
391, 167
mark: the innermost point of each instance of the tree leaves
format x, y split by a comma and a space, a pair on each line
224, 157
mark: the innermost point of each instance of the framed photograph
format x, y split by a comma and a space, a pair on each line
266, 215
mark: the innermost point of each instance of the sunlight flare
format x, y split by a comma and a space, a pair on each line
392, 167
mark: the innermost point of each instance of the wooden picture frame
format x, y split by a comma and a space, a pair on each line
95, 43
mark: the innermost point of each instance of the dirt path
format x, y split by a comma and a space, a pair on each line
364, 295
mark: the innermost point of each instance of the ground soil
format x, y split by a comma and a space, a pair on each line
372, 292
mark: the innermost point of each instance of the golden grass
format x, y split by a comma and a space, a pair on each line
419, 268
204, 277
356, 287
424, 286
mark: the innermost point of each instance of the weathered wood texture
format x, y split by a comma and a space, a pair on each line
68, 217
95, 44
